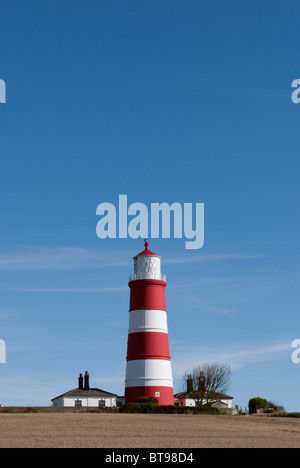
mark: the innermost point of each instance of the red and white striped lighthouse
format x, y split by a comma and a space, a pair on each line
148, 367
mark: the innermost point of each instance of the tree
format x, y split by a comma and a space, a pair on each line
256, 403
202, 383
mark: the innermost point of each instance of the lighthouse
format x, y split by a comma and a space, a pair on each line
148, 366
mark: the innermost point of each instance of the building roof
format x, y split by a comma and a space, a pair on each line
214, 395
79, 393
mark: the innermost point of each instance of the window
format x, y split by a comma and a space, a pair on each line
78, 403
157, 394
101, 403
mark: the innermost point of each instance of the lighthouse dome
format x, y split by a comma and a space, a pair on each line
146, 251
147, 265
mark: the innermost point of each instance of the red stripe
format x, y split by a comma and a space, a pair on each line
149, 345
166, 394
147, 294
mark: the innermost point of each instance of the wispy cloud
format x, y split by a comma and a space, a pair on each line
210, 258
186, 358
34, 391
207, 307
59, 258
67, 290
33, 258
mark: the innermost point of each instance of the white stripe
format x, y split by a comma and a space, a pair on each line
148, 372
148, 320
148, 383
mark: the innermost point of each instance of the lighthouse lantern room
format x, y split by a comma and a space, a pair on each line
148, 366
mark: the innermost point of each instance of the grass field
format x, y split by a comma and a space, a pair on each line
109, 430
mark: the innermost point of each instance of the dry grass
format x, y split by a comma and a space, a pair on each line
89, 430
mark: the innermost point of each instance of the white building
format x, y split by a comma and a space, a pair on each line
221, 401
216, 399
86, 396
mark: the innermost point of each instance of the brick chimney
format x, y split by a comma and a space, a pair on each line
201, 381
80, 382
86, 381
189, 386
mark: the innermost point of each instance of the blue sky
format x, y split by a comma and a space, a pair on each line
165, 101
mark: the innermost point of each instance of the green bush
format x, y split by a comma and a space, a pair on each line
131, 408
170, 409
147, 399
166, 409
205, 410
147, 407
